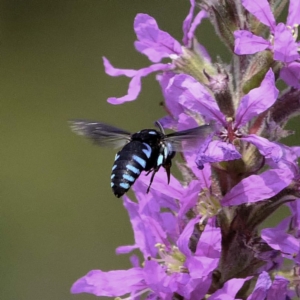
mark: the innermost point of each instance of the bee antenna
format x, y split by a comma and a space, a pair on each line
157, 124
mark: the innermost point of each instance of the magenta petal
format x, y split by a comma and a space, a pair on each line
257, 100
187, 23
280, 240
262, 285
291, 74
174, 189
285, 47
197, 20
258, 187
265, 147
155, 277
183, 240
279, 289
261, 10
207, 254
189, 198
144, 240
135, 83
217, 151
248, 43
229, 290
294, 13
110, 284
195, 97
165, 79
209, 244
112, 71
153, 42
201, 266
126, 249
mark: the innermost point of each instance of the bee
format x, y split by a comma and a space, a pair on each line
146, 150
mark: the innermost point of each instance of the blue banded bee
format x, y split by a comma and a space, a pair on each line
146, 150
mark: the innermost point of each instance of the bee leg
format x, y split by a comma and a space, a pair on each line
168, 168
151, 180
149, 172
167, 165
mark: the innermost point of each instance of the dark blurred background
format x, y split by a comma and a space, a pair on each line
58, 216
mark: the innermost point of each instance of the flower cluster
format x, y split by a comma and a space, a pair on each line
202, 237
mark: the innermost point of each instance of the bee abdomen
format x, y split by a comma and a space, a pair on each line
129, 163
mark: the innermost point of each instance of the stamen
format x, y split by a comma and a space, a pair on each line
172, 259
208, 205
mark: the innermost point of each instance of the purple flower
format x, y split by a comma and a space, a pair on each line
111, 284
156, 44
261, 288
188, 95
279, 239
204, 236
170, 265
258, 187
266, 289
282, 41
229, 290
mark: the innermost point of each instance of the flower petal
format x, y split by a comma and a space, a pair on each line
165, 80
173, 190
187, 23
144, 239
285, 47
265, 147
258, 187
261, 10
262, 285
294, 13
279, 289
207, 254
209, 244
248, 43
257, 100
278, 239
217, 151
189, 198
229, 289
156, 277
153, 42
195, 97
290, 74
184, 238
135, 83
110, 284
197, 20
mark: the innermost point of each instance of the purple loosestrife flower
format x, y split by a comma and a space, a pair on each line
161, 234
157, 44
190, 96
205, 237
282, 41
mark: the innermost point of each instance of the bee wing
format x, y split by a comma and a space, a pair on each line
189, 140
102, 134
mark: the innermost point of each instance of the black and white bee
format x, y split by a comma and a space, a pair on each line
146, 150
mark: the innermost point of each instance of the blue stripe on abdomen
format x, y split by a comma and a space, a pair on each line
128, 177
133, 169
148, 150
124, 185
139, 160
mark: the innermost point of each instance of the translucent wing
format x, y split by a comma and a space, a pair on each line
189, 140
102, 134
